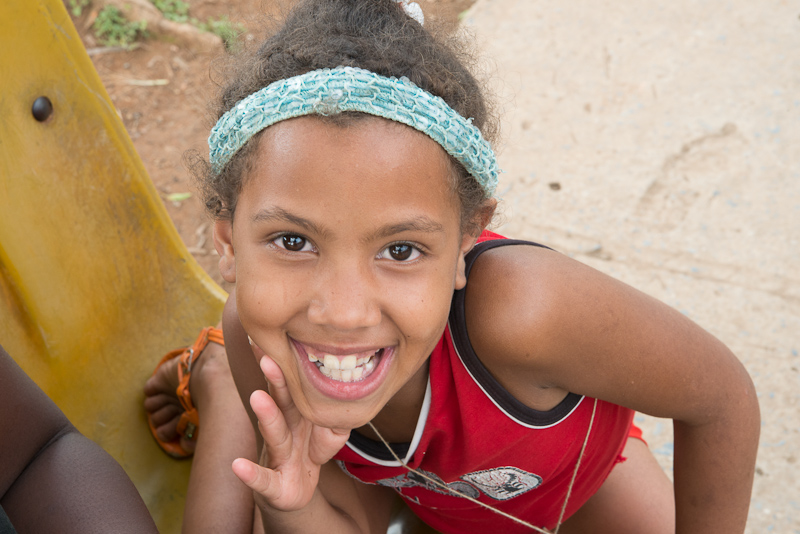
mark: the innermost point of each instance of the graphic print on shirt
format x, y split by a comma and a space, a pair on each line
499, 483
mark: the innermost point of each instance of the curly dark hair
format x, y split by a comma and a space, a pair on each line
376, 35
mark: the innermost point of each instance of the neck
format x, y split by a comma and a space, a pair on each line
397, 421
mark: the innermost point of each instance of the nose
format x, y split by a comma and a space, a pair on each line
346, 297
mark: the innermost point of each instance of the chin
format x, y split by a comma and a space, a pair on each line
341, 415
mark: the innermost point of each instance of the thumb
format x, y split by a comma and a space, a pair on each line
325, 443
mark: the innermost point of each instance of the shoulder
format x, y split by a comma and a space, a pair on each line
522, 293
533, 313
538, 318
511, 308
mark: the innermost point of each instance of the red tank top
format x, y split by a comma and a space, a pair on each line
475, 438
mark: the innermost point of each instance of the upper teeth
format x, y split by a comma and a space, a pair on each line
346, 369
351, 361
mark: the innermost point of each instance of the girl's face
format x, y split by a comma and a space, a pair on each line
345, 249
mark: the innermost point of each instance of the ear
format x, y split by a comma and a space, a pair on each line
468, 239
223, 242
467, 242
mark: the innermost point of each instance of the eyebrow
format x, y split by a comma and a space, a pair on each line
416, 224
275, 213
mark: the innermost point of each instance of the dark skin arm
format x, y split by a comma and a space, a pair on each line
551, 322
52, 478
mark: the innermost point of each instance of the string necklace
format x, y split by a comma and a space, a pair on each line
491, 508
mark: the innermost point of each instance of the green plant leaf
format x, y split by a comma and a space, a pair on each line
174, 10
113, 29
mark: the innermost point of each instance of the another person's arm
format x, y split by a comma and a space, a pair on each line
52, 478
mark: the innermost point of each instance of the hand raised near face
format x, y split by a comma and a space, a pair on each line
287, 473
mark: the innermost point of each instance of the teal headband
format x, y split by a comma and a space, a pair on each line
331, 91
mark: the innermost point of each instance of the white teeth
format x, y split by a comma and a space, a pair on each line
330, 361
348, 368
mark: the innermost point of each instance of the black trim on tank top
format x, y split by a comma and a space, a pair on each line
377, 449
502, 398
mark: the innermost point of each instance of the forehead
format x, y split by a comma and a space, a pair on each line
354, 163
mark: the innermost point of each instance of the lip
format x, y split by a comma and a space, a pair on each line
348, 391
338, 350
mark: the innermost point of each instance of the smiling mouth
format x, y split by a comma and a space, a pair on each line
349, 368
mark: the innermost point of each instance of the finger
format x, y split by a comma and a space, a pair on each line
279, 391
325, 443
263, 481
272, 425
258, 352
273, 372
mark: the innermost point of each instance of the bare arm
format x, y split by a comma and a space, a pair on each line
52, 478
565, 325
217, 501
296, 486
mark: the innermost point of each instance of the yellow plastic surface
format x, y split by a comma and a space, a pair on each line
95, 283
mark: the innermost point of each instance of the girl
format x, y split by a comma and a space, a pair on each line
406, 350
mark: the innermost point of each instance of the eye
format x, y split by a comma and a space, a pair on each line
293, 243
400, 252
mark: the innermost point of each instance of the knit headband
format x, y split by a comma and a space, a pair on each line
332, 91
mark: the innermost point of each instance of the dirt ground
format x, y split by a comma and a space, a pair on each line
162, 91
671, 130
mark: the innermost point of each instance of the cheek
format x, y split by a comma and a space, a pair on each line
425, 307
264, 301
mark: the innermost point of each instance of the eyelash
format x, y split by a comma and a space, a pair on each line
278, 242
414, 248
